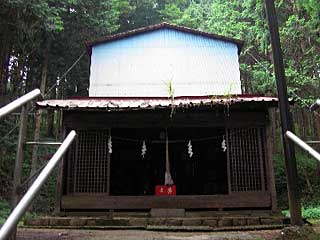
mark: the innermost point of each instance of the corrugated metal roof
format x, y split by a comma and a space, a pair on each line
118, 36
149, 103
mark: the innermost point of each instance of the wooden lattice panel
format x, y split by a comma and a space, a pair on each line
88, 163
246, 159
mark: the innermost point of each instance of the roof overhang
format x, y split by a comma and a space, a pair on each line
127, 104
118, 36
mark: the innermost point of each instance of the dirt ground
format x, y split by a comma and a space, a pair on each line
63, 234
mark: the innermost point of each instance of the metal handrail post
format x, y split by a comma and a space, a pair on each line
303, 145
22, 206
19, 102
315, 106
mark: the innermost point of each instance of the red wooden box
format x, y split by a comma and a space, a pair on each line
164, 190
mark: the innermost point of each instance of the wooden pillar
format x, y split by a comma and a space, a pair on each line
260, 136
273, 125
111, 211
17, 175
57, 205
108, 167
228, 161
270, 138
286, 117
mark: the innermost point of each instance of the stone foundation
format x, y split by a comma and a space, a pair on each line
150, 223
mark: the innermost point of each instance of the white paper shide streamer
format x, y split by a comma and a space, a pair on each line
110, 145
190, 152
224, 145
143, 149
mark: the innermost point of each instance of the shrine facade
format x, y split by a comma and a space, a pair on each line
166, 126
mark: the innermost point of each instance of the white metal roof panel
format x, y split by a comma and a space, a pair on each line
144, 65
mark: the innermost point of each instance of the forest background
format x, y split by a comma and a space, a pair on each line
41, 40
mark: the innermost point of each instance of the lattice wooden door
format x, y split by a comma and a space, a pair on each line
89, 163
246, 157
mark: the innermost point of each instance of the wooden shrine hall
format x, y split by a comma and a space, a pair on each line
166, 126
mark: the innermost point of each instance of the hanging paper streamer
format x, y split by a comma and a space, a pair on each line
167, 176
190, 149
168, 179
110, 145
143, 149
224, 145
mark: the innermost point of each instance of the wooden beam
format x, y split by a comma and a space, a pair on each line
44, 143
95, 120
103, 201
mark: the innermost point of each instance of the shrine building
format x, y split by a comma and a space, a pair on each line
166, 126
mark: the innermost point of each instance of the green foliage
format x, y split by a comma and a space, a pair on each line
45, 201
225, 19
311, 213
4, 210
307, 180
171, 13
170, 89
307, 212
7, 153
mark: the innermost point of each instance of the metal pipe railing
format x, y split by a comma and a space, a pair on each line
19, 102
22, 206
315, 106
303, 145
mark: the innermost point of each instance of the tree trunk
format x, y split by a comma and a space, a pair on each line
4, 62
34, 158
3, 75
59, 95
245, 83
44, 74
16, 80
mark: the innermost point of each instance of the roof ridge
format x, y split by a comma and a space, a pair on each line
133, 32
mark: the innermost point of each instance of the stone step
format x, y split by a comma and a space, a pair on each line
167, 228
212, 229
179, 228
144, 223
